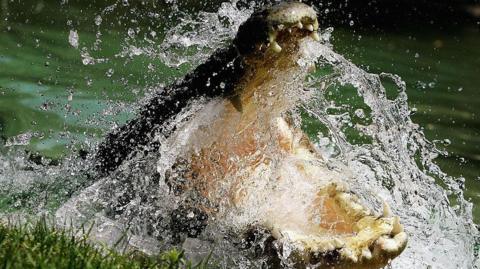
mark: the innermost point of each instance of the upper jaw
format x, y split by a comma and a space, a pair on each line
263, 28
291, 13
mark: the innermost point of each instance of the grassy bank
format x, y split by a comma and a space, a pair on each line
40, 246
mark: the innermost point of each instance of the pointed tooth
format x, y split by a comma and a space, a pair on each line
401, 239
299, 25
315, 36
325, 247
388, 245
275, 47
344, 196
386, 210
329, 246
366, 254
309, 27
272, 36
280, 27
348, 253
356, 207
393, 245
315, 25
276, 233
338, 243
289, 30
397, 227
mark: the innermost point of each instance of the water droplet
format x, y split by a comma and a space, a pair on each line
73, 38
44, 107
98, 20
89, 81
131, 32
109, 72
360, 113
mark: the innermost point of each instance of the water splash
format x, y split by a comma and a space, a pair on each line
396, 166
389, 156
194, 38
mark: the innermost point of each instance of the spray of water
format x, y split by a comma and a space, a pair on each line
372, 134
395, 165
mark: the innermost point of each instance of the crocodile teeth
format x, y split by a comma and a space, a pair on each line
309, 27
348, 253
401, 239
272, 36
315, 25
275, 47
315, 36
384, 244
397, 227
328, 246
386, 210
366, 254
338, 243
390, 245
299, 25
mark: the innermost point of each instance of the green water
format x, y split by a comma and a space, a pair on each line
45, 89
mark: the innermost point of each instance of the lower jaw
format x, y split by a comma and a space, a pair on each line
373, 243
297, 256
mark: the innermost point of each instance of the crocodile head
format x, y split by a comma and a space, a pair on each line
340, 231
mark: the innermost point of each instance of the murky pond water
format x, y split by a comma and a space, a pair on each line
71, 71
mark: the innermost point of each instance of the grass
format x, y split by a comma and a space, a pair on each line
39, 245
